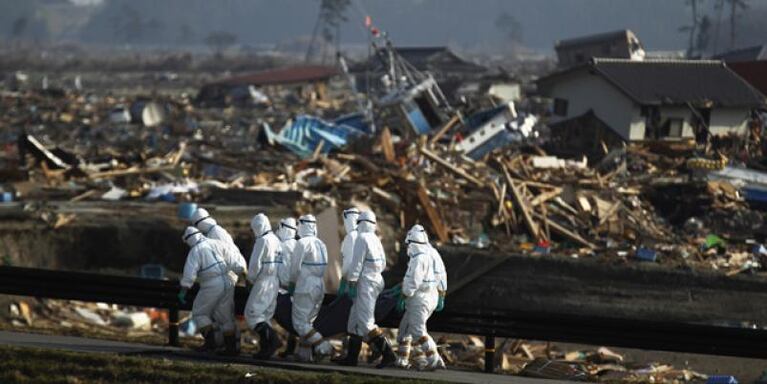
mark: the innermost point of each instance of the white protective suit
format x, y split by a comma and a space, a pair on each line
420, 289
208, 226
263, 273
205, 264
287, 234
310, 258
440, 273
364, 270
347, 246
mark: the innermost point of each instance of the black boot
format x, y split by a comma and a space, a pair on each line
291, 348
352, 351
343, 357
230, 343
384, 348
268, 342
375, 354
210, 341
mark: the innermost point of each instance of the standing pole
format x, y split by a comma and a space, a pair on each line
173, 327
489, 354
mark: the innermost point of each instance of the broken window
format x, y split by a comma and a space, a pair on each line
672, 127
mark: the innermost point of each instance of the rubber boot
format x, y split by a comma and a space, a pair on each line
346, 348
352, 352
264, 342
210, 341
375, 354
382, 345
291, 348
230, 345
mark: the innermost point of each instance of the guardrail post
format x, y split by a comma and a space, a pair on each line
489, 353
173, 327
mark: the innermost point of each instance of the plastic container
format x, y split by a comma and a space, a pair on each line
646, 254
721, 379
186, 210
6, 197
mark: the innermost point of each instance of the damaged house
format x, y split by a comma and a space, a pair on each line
609, 100
308, 83
622, 44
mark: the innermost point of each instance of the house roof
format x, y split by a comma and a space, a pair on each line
758, 52
594, 39
755, 72
438, 58
288, 75
669, 82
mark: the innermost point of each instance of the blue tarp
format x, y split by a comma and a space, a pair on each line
304, 134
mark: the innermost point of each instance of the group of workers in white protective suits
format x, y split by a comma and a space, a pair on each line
294, 260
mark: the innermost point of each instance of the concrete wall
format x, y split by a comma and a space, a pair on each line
584, 92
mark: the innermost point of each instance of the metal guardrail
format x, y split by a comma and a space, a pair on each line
642, 334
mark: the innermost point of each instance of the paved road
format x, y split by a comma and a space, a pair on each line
81, 344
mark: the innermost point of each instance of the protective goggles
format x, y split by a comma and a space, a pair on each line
201, 220
192, 234
352, 211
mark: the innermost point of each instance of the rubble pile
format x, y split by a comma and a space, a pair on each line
561, 362
638, 203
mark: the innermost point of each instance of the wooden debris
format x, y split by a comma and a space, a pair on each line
387, 146
453, 168
434, 217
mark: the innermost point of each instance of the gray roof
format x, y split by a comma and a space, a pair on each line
755, 53
433, 59
671, 82
592, 39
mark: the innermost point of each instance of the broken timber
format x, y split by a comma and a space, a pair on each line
455, 169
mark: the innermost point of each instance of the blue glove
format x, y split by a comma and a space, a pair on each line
352, 290
342, 288
440, 303
291, 288
401, 303
182, 296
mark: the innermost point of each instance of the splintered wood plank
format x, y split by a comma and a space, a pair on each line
434, 217
387, 146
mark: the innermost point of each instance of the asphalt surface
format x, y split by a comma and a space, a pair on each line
80, 344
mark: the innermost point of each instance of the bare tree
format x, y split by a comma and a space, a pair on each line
703, 38
219, 41
693, 27
735, 6
719, 8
